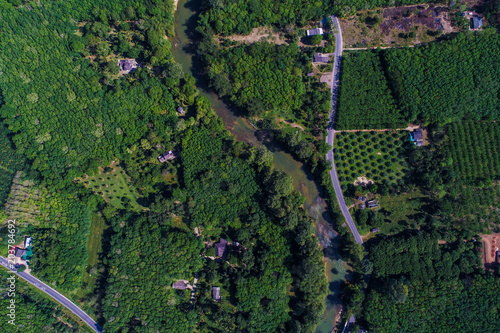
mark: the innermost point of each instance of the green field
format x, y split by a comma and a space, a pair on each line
378, 156
94, 249
114, 185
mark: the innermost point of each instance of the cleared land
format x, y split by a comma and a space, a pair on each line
396, 26
114, 186
490, 243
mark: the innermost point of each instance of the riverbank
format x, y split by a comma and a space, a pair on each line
303, 180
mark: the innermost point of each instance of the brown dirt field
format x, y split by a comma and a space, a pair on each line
394, 21
490, 243
257, 34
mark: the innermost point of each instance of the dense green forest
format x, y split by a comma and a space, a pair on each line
264, 77
365, 100
452, 80
34, 311
411, 272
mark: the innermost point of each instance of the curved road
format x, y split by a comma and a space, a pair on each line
55, 295
331, 132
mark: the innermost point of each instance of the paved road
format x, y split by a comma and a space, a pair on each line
55, 295
331, 132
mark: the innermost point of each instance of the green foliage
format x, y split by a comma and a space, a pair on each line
139, 288
10, 163
447, 81
474, 148
258, 73
365, 100
34, 311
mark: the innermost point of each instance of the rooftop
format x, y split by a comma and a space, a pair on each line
216, 293
317, 31
220, 248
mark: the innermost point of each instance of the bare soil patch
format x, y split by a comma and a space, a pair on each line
257, 35
363, 181
390, 27
490, 246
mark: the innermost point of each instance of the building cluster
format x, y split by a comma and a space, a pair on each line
169, 155
24, 252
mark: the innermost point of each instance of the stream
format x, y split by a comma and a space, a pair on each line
184, 53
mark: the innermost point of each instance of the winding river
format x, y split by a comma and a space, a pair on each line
184, 53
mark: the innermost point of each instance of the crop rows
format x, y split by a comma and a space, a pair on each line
475, 149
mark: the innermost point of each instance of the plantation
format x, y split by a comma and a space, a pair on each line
114, 186
365, 100
378, 156
474, 148
436, 82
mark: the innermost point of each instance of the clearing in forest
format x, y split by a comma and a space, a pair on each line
490, 244
375, 155
396, 26
114, 186
257, 35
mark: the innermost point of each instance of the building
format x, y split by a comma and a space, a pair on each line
18, 252
362, 206
181, 285
362, 199
127, 65
216, 293
374, 230
27, 241
166, 156
476, 22
372, 204
317, 31
180, 109
220, 248
320, 57
417, 137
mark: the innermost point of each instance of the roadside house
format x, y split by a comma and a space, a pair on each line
18, 252
312, 32
320, 57
417, 137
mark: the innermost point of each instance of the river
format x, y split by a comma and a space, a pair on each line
184, 53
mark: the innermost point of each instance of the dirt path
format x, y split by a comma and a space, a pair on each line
410, 127
291, 124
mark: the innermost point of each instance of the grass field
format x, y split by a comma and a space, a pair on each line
114, 185
377, 156
94, 248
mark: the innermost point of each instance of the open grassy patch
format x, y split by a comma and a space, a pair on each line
378, 156
114, 185
94, 248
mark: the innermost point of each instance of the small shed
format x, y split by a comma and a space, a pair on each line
362, 206
476, 22
127, 65
27, 241
216, 293
317, 31
310, 74
363, 198
372, 204
320, 57
166, 156
220, 248
181, 285
375, 230
180, 109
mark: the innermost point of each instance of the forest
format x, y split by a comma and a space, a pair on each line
10, 163
365, 100
411, 272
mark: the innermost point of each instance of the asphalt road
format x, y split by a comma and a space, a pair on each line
329, 139
55, 295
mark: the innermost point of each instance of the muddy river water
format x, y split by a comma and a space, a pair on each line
184, 53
